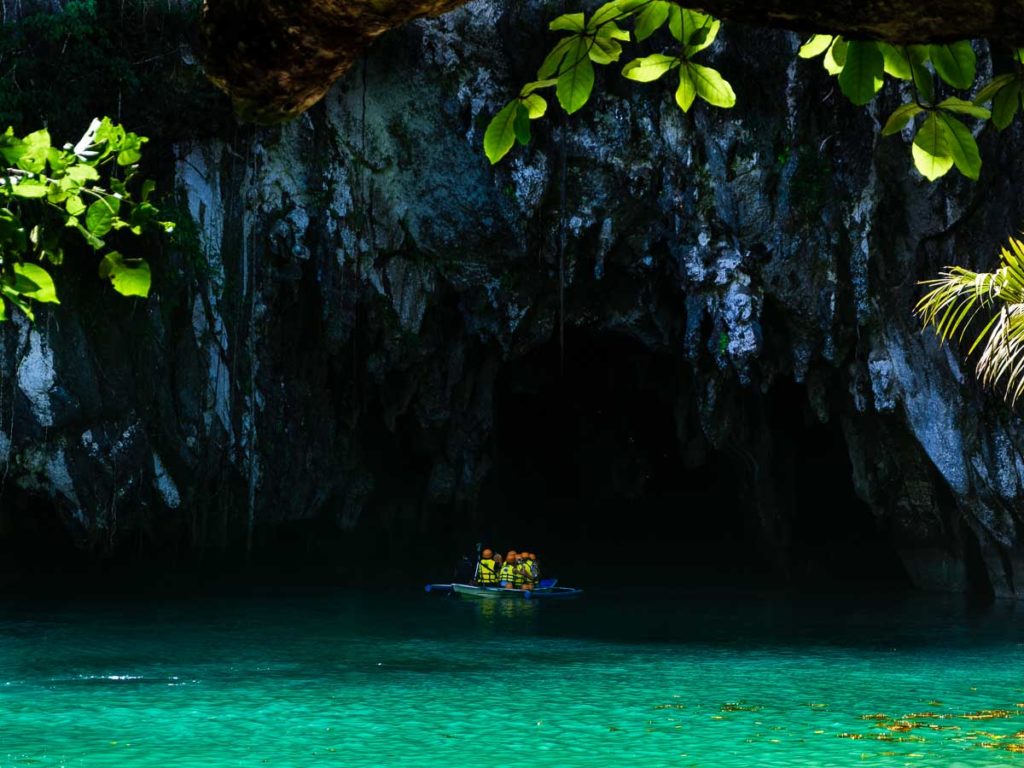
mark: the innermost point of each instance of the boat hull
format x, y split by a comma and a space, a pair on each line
499, 593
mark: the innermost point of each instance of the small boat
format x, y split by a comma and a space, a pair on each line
500, 593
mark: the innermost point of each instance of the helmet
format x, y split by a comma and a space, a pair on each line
488, 554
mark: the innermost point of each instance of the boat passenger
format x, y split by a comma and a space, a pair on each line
507, 574
486, 573
524, 559
534, 569
519, 573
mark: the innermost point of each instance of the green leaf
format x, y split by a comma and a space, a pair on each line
961, 107
577, 78
711, 86
30, 189
699, 30
605, 50
526, 91
675, 21
45, 291
94, 242
1005, 104
521, 124
569, 22
34, 151
604, 15
649, 68
612, 30
82, 173
862, 73
687, 90
988, 92
898, 119
16, 299
149, 185
896, 64
651, 19
3, 310
130, 277
962, 145
932, 154
815, 46
500, 134
102, 215
922, 79
74, 205
955, 63
835, 56
535, 105
552, 63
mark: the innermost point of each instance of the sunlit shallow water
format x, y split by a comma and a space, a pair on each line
414, 680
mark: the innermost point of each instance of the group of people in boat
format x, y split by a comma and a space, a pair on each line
517, 570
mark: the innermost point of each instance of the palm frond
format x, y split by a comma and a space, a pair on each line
958, 296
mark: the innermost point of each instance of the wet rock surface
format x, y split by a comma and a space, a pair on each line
329, 345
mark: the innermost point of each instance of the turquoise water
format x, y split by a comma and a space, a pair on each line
414, 680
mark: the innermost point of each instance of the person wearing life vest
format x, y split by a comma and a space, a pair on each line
524, 562
519, 572
486, 572
534, 569
506, 577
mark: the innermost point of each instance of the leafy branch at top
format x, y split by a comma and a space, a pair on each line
569, 67
92, 188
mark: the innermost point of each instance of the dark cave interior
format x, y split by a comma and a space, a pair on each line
599, 465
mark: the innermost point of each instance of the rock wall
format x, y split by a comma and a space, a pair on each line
327, 343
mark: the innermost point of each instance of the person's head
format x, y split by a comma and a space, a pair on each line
488, 554
511, 557
497, 558
524, 556
533, 556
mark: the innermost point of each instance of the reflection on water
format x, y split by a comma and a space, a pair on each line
720, 680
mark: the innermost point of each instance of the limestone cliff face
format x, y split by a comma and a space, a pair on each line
360, 276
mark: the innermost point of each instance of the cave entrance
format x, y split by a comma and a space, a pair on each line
598, 465
601, 466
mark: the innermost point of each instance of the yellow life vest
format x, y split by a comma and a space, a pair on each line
485, 573
507, 571
518, 575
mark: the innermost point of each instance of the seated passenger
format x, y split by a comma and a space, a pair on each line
507, 573
519, 572
486, 572
524, 560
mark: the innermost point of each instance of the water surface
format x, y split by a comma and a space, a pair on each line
694, 679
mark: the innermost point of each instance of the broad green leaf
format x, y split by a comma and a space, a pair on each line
711, 86
862, 73
569, 22
687, 90
147, 189
815, 46
651, 19
932, 154
612, 30
552, 63
961, 107
34, 150
526, 91
649, 68
82, 173
94, 242
699, 30
500, 134
922, 78
3, 310
521, 124
535, 105
131, 149
17, 300
896, 64
604, 15
74, 205
1005, 104
102, 215
988, 92
955, 63
900, 117
675, 22
962, 145
46, 291
20, 283
577, 78
30, 188
604, 50
835, 56
130, 277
